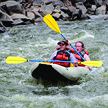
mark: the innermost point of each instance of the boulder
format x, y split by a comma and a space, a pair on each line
92, 10
11, 7
81, 6
2, 28
58, 3
57, 9
17, 16
5, 19
56, 16
20, 19
101, 10
66, 11
47, 9
64, 15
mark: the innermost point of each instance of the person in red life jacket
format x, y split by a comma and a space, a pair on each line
63, 54
79, 46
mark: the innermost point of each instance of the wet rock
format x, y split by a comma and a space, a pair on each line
2, 28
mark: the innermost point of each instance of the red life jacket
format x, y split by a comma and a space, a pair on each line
61, 55
79, 59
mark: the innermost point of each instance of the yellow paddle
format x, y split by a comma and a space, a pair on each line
50, 21
17, 60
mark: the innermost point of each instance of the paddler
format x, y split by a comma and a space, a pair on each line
63, 54
79, 46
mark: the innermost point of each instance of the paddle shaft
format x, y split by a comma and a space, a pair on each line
87, 63
51, 61
73, 47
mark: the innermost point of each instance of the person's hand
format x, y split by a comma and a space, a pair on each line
45, 60
69, 42
75, 63
89, 67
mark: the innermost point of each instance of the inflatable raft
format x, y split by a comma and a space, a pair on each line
53, 72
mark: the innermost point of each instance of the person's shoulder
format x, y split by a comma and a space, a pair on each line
55, 51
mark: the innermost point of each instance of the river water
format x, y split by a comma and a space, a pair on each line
18, 89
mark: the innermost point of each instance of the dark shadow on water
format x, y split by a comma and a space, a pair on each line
47, 83
52, 88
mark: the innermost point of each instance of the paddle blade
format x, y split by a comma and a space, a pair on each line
15, 60
92, 63
50, 21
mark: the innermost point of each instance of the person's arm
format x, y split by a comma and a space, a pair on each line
72, 58
87, 58
52, 56
69, 42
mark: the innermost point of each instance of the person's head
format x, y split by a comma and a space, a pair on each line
63, 44
79, 46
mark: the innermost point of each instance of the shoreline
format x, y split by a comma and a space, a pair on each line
23, 13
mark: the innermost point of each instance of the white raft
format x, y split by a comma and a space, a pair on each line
54, 72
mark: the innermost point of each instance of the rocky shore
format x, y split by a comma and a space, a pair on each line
22, 12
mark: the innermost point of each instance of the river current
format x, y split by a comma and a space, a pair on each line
18, 89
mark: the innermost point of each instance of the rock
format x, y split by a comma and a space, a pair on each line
64, 15
81, 1
84, 17
47, 9
11, 7
56, 16
39, 20
92, 10
2, 28
16, 16
30, 15
21, 18
76, 15
101, 10
66, 11
71, 8
58, 3
93, 7
98, 3
57, 9
18, 21
79, 15
36, 14
5, 19
81, 6
38, 2
106, 18
76, 1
